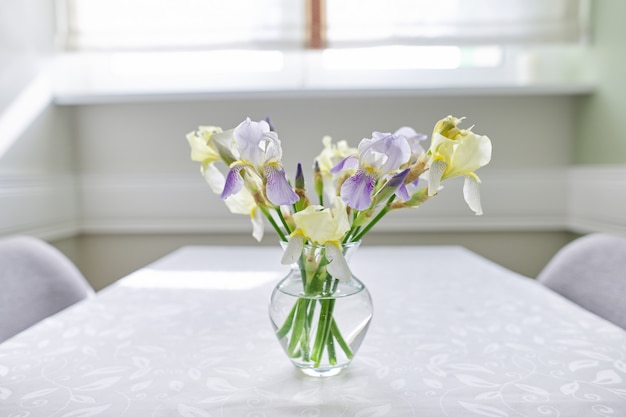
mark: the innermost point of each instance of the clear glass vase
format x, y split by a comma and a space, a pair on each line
320, 321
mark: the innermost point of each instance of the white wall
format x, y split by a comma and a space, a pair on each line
37, 169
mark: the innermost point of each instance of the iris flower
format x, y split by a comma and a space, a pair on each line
323, 227
455, 152
205, 150
257, 152
383, 154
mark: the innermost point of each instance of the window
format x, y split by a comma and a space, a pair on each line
287, 24
179, 24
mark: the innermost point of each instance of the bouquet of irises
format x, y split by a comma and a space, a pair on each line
353, 189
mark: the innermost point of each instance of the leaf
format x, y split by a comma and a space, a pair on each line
518, 346
620, 365
488, 395
39, 393
619, 392
483, 410
473, 381
100, 384
570, 388
176, 385
436, 371
141, 385
213, 400
533, 389
220, 384
430, 346
470, 367
606, 377
379, 411
383, 372
194, 373
433, 383
233, 372
303, 395
582, 364
141, 362
107, 370
83, 399
87, 412
188, 411
491, 348
594, 355
574, 342
398, 384
139, 373
5, 393
438, 359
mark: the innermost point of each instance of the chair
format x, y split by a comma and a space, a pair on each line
591, 271
36, 281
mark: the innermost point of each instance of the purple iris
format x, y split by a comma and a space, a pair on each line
383, 154
260, 154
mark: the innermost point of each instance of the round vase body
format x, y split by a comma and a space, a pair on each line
320, 321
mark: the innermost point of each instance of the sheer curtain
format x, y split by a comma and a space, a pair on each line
179, 24
193, 24
457, 22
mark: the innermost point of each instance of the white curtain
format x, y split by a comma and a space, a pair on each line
457, 22
180, 24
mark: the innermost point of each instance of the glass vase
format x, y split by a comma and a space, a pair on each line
320, 321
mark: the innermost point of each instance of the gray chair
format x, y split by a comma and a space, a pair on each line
591, 271
36, 281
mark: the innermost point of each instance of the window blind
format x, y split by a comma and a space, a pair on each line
281, 24
455, 22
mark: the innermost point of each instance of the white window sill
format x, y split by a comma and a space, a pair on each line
126, 77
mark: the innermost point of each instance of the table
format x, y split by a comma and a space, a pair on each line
453, 334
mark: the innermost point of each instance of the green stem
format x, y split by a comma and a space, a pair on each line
332, 356
323, 330
282, 220
298, 327
273, 223
375, 220
342, 342
282, 332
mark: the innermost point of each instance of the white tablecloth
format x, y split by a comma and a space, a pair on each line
452, 335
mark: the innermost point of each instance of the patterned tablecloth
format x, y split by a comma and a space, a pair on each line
452, 335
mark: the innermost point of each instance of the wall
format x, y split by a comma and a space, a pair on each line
37, 170
601, 138
597, 194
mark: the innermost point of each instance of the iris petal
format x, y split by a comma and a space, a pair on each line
257, 224
338, 266
403, 193
278, 190
471, 193
293, 249
234, 182
435, 173
350, 162
214, 178
357, 190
